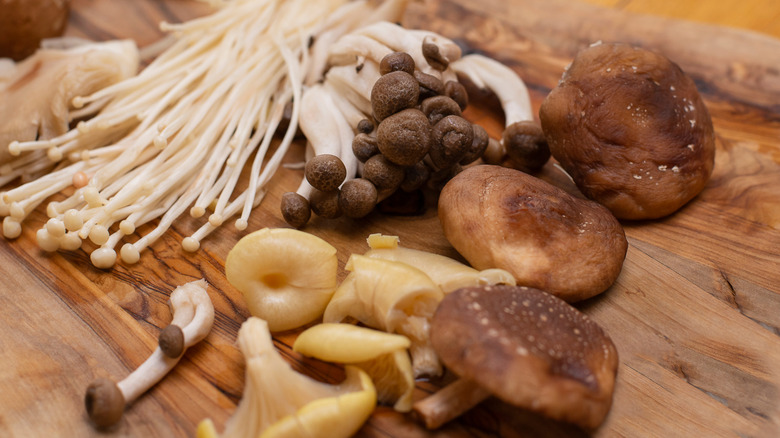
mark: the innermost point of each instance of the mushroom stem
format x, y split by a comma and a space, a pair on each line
449, 402
193, 316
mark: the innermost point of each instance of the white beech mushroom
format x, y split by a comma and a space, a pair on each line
526, 347
523, 139
193, 316
179, 134
280, 402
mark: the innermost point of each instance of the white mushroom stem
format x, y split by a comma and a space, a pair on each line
193, 312
487, 73
449, 402
193, 316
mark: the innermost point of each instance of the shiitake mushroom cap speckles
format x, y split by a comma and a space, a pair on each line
631, 129
530, 349
498, 217
393, 92
404, 137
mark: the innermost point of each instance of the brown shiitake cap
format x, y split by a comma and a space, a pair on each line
25, 23
498, 217
529, 349
631, 129
405, 137
392, 93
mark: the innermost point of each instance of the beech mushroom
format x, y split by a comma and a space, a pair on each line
526, 347
193, 316
488, 74
405, 137
497, 217
631, 129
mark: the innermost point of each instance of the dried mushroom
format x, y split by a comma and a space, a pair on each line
498, 217
631, 129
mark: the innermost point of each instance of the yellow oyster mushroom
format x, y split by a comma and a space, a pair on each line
393, 297
279, 402
383, 356
286, 276
446, 272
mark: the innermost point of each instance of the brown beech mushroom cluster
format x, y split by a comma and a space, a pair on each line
631, 129
527, 348
405, 110
498, 217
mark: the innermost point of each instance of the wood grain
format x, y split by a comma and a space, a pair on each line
695, 313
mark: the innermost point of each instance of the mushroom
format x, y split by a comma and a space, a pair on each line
452, 139
488, 74
449, 274
357, 198
497, 217
383, 356
527, 348
278, 401
286, 276
393, 92
193, 316
405, 137
630, 128
393, 297
25, 23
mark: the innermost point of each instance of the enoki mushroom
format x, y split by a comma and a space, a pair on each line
176, 136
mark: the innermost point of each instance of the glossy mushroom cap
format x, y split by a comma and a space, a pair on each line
631, 129
529, 349
498, 217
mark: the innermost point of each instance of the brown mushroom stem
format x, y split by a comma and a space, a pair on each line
449, 402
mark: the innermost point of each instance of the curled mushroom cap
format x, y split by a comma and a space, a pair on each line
498, 217
631, 129
529, 349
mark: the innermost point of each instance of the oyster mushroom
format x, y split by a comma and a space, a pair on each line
526, 347
498, 217
631, 129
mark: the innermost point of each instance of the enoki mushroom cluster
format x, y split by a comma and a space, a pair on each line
177, 136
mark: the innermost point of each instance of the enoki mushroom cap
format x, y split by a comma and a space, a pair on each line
530, 349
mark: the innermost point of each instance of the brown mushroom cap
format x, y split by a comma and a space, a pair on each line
104, 402
295, 209
405, 137
529, 349
325, 172
396, 61
393, 92
171, 341
25, 23
631, 129
526, 146
498, 217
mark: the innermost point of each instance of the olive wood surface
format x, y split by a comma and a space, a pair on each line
695, 313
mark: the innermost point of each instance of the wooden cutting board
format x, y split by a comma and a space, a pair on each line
695, 314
